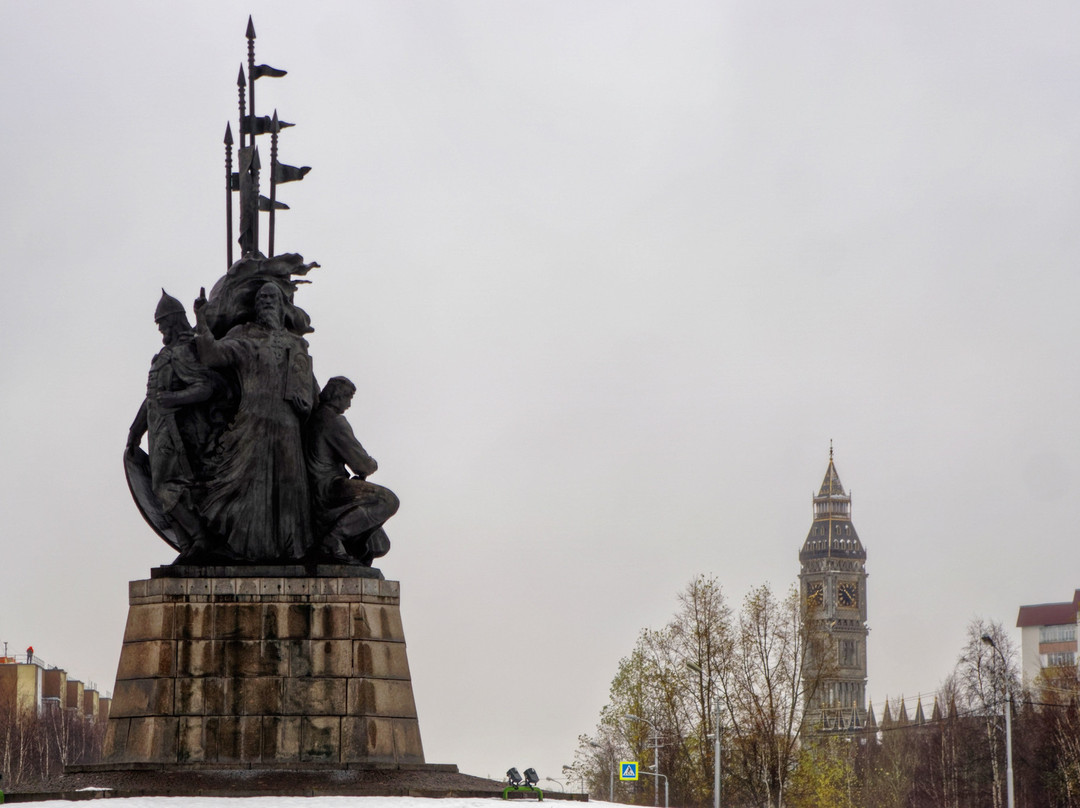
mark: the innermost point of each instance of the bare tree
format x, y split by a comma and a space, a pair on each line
1058, 720
765, 685
986, 674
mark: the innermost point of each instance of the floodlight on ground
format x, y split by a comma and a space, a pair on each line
514, 776
531, 777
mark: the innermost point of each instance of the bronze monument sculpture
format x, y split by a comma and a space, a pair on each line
270, 643
245, 462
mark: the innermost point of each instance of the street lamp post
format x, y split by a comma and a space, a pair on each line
656, 755
655, 774
715, 736
986, 638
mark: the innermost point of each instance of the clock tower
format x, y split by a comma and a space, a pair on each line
833, 587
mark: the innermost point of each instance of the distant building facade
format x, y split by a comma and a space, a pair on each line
1048, 636
27, 688
832, 582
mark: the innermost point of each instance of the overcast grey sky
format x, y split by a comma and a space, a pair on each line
609, 277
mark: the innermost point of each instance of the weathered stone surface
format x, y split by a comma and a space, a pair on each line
168, 587
222, 739
194, 621
407, 745
250, 731
222, 586
254, 658
320, 738
141, 697
256, 696
382, 697
315, 696
191, 740
298, 586
390, 589
286, 620
382, 660
270, 586
152, 739
151, 621
360, 698
281, 738
146, 658
233, 739
189, 697
215, 695
393, 698
330, 621
330, 657
326, 586
364, 738
371, 621
199, 658
264, 671
238, 621
116, 735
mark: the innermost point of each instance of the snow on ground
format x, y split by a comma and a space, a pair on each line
289, 802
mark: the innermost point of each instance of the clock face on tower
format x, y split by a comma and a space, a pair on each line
815, 595
847, 595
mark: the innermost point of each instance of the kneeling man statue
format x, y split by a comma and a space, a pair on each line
348, 512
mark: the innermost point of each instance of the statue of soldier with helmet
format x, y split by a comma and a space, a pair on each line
176, 418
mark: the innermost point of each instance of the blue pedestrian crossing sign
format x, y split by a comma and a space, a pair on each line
628, 770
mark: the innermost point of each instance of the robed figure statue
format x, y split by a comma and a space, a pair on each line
258, 497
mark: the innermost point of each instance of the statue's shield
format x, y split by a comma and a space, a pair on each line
137, 471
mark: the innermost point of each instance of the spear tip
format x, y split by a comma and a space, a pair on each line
250, 29
240, 80
228, 134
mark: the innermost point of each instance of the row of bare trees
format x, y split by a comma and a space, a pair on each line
36, 745
753, 669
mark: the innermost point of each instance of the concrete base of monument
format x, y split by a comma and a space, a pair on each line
415, 781
263, 669
92, 782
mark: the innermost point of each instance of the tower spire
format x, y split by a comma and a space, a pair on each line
833, 585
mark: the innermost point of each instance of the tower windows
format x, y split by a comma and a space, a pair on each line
848, 653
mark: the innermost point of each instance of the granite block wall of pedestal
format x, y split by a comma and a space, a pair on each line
263, 671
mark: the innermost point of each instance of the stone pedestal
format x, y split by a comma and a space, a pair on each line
273, 668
